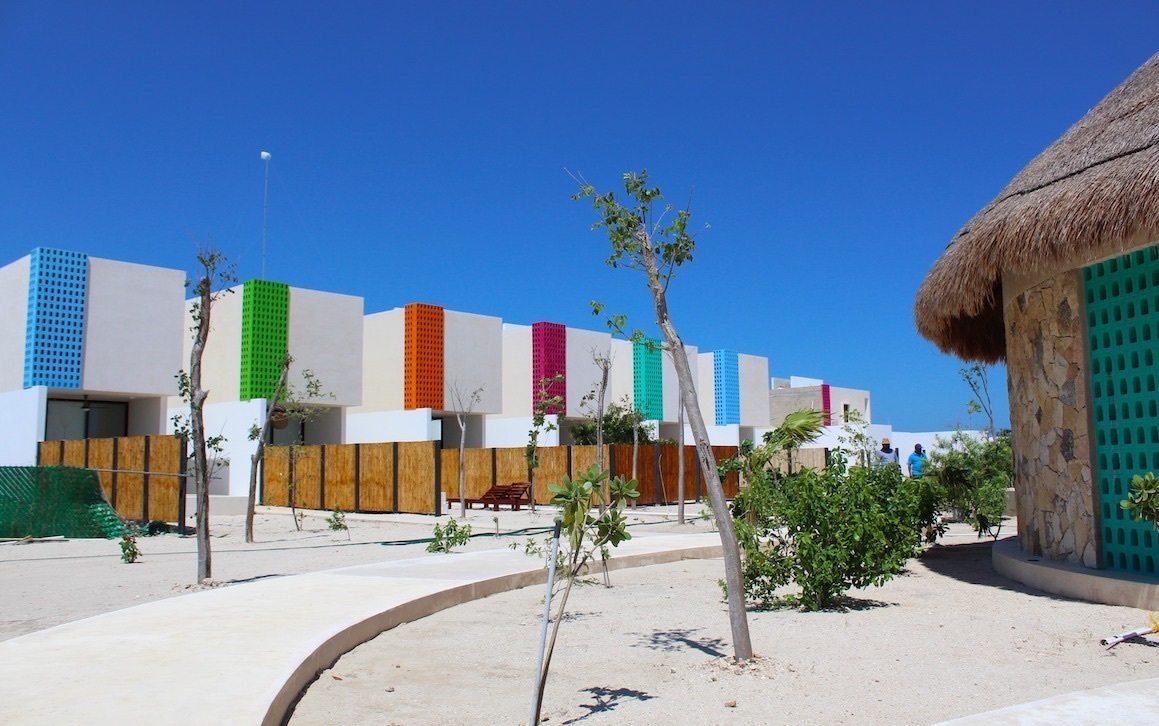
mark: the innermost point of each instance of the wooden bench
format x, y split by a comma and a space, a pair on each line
513, 495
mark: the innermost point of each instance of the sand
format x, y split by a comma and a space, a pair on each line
949, 638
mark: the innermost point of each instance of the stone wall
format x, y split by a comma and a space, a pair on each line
1047, 381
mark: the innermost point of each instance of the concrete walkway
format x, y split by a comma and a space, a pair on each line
243, 654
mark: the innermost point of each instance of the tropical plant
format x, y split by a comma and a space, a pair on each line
586, 535
1143, 500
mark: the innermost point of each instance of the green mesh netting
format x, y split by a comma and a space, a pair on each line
48, 501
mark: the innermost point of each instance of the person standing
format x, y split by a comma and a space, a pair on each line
887, 454
916, 463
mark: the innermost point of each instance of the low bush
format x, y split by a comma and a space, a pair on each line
826, 531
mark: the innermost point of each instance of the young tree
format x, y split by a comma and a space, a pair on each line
464, 404
586, 535
286, 402
656, 245
543, 403
215, 275
978, 379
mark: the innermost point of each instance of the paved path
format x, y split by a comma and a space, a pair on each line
243, 654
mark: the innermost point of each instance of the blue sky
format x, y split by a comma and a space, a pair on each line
419, 152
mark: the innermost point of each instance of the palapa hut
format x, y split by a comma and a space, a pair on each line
1059, 277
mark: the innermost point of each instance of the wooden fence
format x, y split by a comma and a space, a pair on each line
413, 477
140, 475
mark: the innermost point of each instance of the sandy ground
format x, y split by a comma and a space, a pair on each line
947, 639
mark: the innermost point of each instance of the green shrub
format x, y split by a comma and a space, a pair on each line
449, 537
970, 479
826, 531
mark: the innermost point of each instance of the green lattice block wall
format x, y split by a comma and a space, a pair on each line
648, 379
1122, 296
264, 318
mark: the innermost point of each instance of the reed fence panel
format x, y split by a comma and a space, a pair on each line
418, 477
375, 478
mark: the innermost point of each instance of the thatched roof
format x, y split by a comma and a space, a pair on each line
1090, 195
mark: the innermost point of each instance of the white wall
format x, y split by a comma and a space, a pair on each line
858, 400
516, 370
672, 383
221, 360
378, 426
133, 329
13, 323
516, 431
383, 361
583, 375
324, 334
706, 388
22, 413
231, 419
473, 359
622, 376
753, 379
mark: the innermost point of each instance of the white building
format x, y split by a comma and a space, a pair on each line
88, 348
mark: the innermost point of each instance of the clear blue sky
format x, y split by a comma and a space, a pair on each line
419, 152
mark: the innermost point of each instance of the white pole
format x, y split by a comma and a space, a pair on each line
265, 209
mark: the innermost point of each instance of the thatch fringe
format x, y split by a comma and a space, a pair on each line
1092, 194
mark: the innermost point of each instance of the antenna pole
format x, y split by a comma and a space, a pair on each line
265, 209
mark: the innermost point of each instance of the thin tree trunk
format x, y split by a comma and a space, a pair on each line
462, 466
738, 617
260, 453
680, 465
197, 398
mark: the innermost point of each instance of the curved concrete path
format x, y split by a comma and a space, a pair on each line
243, 654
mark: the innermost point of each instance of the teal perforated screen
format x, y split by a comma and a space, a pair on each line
1122, 296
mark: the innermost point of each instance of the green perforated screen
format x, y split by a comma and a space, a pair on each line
1122, 296
647, 378
264, 318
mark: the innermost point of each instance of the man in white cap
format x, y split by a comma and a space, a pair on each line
887, 455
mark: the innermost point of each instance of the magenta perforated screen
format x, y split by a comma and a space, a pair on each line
548, 358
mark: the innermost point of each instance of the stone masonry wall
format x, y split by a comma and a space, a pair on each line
1047, 382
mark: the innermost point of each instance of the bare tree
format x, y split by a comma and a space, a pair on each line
215, 275
656, 245
464, 404
286, 402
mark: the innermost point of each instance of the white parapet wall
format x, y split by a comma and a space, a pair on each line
133, 328
22, 415
372, 427
583, 374
472, 361
753, 374
13, 323
517, 383
324, 335
383, 361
